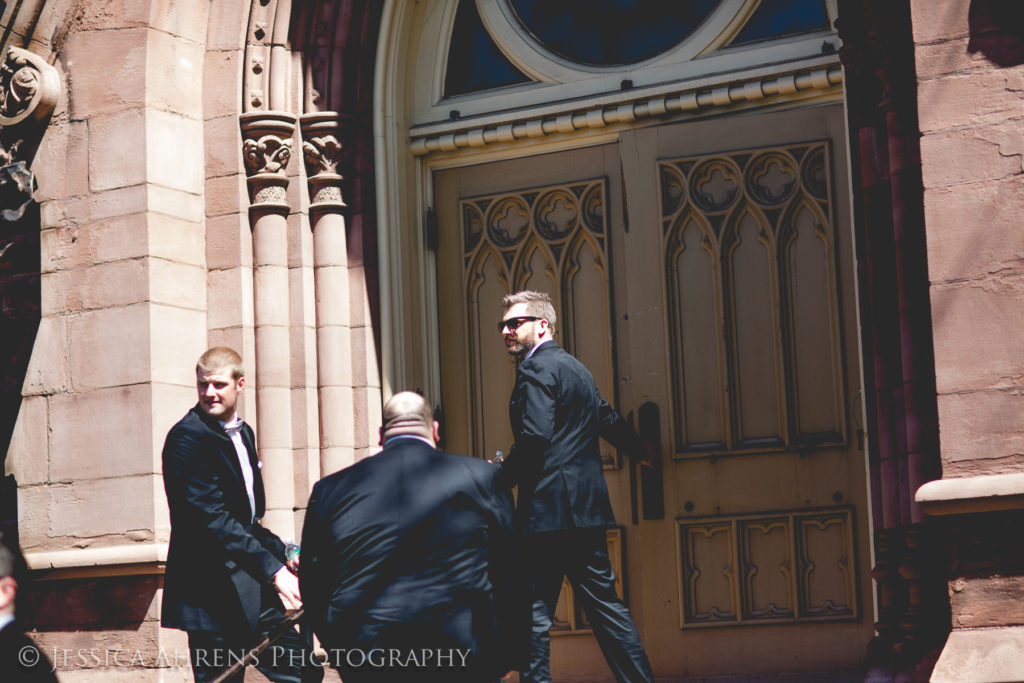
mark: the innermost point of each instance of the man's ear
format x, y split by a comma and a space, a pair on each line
241, 383
380, 430
437, 432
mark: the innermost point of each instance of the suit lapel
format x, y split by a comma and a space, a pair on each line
226, 447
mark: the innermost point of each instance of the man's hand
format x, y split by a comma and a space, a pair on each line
287, 585
650, 455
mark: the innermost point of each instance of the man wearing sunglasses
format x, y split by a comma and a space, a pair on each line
557, 417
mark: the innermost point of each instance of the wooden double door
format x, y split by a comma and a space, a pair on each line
703, 272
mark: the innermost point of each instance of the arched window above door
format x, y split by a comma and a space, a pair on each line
499, 43
475, 62
610, 32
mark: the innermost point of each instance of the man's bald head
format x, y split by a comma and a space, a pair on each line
408, 414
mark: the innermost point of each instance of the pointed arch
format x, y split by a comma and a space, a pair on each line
755, 348
810, 317
490, 375
587, 322
695, 302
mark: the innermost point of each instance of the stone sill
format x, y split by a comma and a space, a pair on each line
987, 655
972, 494
140, 559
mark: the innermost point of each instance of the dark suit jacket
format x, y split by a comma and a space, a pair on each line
219, 563
557, 416
409, 549
16, 665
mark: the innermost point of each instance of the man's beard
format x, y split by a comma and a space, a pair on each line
519, 349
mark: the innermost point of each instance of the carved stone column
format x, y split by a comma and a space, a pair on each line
267, 141
325, 145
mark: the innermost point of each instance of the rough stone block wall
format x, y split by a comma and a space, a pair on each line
970, 63
122, 274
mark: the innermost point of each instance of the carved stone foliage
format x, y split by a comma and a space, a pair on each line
326, 145
782, 567
552, 239
17, 183
267, 149
268, 154
753, 301
28, 88
322, 154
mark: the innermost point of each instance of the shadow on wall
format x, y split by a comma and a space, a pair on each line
20, 310
997, 31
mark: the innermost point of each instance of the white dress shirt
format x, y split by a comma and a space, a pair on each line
234, 430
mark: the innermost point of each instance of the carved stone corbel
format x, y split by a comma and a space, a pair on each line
29, 88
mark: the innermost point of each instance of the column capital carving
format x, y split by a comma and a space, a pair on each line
326, 144
267, 149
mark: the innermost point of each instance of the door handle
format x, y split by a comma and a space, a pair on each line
652, 484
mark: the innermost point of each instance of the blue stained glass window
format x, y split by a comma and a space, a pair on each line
777, 18
611, 32
474, 61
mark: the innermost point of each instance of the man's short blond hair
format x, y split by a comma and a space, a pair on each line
537, 304
221, 358
407, 413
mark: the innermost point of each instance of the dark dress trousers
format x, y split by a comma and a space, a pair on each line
409, 551
20, 660
558, 417
221, 561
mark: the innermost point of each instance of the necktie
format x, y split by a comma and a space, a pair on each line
234, 432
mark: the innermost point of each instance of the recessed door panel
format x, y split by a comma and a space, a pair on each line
705, 268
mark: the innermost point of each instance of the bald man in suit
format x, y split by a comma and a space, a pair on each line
411, 551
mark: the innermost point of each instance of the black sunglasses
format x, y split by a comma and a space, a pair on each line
513, 323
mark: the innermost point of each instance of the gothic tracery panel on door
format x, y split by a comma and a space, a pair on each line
553, 239
785, 567
754, 319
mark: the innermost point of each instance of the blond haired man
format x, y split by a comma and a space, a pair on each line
226, 582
